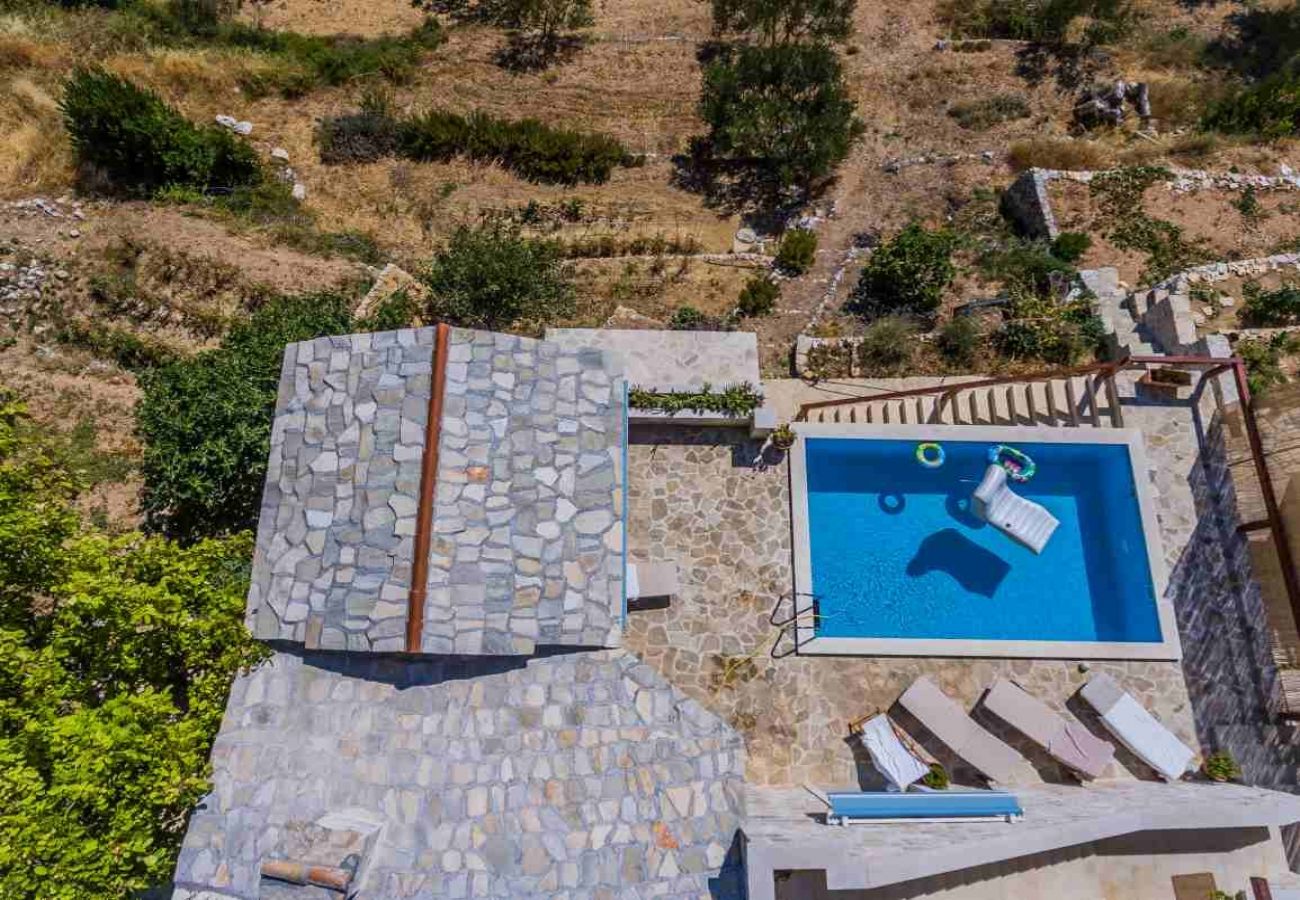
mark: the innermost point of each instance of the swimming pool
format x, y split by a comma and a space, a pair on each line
896, 562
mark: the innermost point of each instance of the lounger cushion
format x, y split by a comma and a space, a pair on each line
947, 721
1137, 729
1066, 740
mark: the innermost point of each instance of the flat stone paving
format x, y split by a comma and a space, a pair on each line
701, 499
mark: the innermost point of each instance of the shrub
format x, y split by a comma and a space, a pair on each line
398, 310
1263, 359
887, 345
784, 21
937, 778
1057, 153
758, 297
688, 318
1221, 766
1026, 266
734, 400
959, 340
1044, 21
1050, 330
906, 274
978, 115
492, 277
1069, 246
205, 421
142, 144
527, 147
780, 118
797, 251
1277, 307
1269, 109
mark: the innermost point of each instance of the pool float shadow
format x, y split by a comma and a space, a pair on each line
976, 569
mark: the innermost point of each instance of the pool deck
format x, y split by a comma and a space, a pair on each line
707, 501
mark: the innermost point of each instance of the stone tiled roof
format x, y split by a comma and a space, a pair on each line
580, 774
527, 542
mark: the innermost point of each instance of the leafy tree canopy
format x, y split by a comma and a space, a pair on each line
779, 117
206, 421
906, 274
492, 277
785, 21
118, 656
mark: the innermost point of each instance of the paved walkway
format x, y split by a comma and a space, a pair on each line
701, 499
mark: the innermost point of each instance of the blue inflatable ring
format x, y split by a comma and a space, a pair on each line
929, 454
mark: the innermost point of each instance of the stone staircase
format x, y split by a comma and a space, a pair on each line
1081, 401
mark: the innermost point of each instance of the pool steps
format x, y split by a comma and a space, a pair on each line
1079, 402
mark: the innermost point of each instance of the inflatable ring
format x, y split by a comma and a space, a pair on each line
929, 455
1018, 464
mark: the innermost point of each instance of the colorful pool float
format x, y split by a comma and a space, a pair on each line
930, 454
1017, 463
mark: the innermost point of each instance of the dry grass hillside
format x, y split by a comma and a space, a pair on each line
637, 79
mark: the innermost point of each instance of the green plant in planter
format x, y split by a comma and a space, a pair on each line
1221, 766
783, 436
937, 778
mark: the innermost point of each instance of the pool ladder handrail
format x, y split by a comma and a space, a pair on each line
792, 621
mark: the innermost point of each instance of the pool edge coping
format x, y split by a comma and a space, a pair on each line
1169, 648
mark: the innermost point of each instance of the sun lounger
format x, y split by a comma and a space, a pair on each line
899, 766
947, 721
650, 581
1068, 742
883, 806
1137, 729
1020, 519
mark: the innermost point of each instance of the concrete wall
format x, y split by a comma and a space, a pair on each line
1133, 867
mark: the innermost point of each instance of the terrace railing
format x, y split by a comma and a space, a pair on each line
1084, 395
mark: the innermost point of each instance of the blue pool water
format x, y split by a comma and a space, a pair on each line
897, 553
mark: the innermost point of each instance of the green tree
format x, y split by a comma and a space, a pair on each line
493, 277
118, 655
206, 421
785, 21
907, 274
780, 118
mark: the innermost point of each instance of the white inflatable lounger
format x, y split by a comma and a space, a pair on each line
1020, 519
1137, 729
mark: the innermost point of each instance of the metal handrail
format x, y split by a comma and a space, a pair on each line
1214, 365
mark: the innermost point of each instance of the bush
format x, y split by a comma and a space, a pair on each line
959, 340
688, 318
141, 144
1263, 359
530, 149
978, 115
780, 118
1221, 766
798, 250
1044, 21
1049, 330
206, 421
887, 345
494, 278
1267, 309
1057, 153
758, 297
783, 21
1269, 109
1069, 246
395, 311
907, 274
1026, 266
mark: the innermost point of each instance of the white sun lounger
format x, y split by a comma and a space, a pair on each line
1013, 515
1137, 729
899, 766
947, 721
1068, 742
